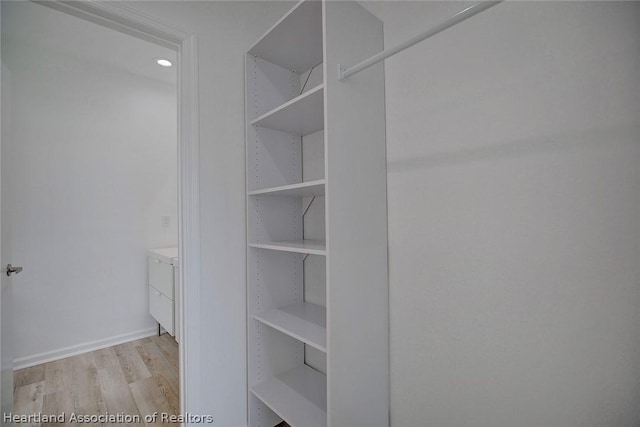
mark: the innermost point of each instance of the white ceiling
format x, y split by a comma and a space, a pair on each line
39, 27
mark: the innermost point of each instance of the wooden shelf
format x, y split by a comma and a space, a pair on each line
313, 247
302, 115
304, 189
298, 396
305, 322
295, 41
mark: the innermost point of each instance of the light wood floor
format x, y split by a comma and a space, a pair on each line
135, 378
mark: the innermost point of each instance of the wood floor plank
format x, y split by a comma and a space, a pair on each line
141, 342
85, 385
132, 365
116, 393
106, 358
56, 377
28, 376
56, 403
168, 387
150, 399
166, 377
156, 360
28, 400
169, 348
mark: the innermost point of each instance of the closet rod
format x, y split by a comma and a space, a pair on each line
381, 56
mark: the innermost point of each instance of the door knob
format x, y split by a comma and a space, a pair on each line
13, 270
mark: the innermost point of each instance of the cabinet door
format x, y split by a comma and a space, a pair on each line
161, 277
161, 308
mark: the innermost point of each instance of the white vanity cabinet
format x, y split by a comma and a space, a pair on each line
163, 290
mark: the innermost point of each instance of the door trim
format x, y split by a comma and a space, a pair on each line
130, 21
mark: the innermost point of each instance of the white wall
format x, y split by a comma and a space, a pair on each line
225, 30
514, 199
90, 169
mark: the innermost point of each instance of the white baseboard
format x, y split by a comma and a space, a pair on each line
74, 350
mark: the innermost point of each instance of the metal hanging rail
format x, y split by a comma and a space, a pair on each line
381, 56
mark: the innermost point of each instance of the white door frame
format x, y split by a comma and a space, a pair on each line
130, 21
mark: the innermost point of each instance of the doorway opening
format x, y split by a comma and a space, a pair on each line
113, 196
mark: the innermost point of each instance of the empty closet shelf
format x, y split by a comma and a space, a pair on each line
313, 247
302, 115
298, 396
303, 189
305, 322
294, 42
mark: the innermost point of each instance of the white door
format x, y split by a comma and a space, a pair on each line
6, 354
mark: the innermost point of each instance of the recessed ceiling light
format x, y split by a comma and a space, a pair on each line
164, 62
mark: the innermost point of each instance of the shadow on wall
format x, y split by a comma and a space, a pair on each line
591, 138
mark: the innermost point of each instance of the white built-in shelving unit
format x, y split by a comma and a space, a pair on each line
317, 295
